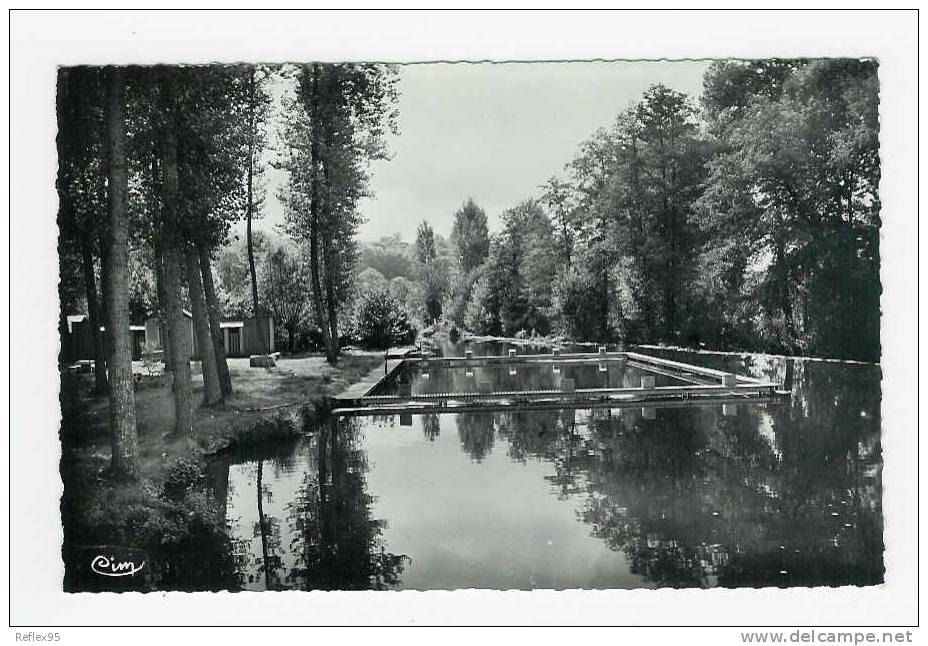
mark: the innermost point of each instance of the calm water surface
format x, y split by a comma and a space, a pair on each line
516, 377
769, 494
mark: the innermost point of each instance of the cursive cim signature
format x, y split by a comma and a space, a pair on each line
109, 567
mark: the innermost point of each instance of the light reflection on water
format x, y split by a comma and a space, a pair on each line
769, 494
519, 377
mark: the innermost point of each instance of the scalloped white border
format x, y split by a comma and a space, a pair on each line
40, 41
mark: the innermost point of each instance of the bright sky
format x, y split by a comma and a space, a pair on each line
494, 132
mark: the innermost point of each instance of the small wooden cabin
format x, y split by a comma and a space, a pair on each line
240, 336
80, 339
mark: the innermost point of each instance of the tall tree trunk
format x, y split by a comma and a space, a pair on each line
65, 355
290, 334
93, 316
173, 262
328, 254
785, 298
331, 354
162, 311
263, 526
330, 301
159, 270
179, 334
125, 441
212, 393
215, 315
104, 290
65, 214
256, 308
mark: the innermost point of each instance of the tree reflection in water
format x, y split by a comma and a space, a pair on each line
431, 428
754, 495
477, 434
337, 543
312, 524
781, 495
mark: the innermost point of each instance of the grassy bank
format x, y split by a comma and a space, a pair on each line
171, 506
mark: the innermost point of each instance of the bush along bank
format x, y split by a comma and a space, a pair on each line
169, 523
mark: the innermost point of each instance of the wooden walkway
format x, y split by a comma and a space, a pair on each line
579, 394
418, 407
451, 362
676, 369
698, 383
368, 384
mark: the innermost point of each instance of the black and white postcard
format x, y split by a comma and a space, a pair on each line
511, 321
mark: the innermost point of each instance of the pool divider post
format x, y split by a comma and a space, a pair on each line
602, 350
569, 415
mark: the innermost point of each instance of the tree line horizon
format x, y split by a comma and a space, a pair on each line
748, 222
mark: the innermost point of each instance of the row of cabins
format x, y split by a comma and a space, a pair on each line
240, 336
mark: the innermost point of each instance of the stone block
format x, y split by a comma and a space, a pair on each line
261, 361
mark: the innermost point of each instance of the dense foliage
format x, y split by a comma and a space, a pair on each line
750, 221
515, 294
335, 126
284, 287
381, 322
750, 224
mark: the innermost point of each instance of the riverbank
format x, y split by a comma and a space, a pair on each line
171, 504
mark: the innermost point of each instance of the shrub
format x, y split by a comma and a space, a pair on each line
580, 305
478, 315
271, 429
591, 296
459, 296
182, 476
381, 322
